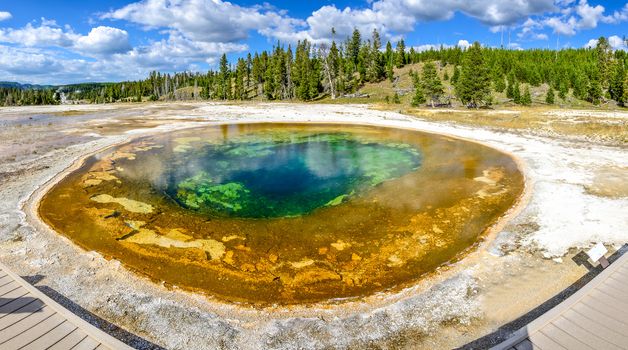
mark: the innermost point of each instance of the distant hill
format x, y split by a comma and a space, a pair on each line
13, 84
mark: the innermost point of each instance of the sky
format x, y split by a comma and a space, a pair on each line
73, 41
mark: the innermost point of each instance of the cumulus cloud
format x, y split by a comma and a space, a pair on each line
615, 42
176, 53
221, 21
393, 18
463, 44
104, 41
496, 12
583, 16
101, 40
4, 15
26, 61
202, 20
48, 33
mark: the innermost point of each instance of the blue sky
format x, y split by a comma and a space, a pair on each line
60, 42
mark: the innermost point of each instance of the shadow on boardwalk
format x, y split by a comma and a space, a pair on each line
128, 338
503, 332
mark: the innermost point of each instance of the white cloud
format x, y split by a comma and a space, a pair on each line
589, 15
101, 40
4, 15
104, 41
514, 46
591, 43
46, 34
176, 53
615, 42
26, 61
463, 44
583, 16
562, 27
202, 20
493, 13
220, 21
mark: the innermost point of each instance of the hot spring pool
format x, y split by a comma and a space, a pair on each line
285, 213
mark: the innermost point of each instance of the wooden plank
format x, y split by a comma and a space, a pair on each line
525, 345
69, 340
599, 315
24, 324
16, 317
84, 327
86, 344
606, 307
5, 279
9, 297
617, 291
52, 337
601, 330
544, 342
583, 335
618, 281
19, 303
9, 287
602, 294
33, 333
562, 338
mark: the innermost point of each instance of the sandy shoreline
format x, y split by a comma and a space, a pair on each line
459, 296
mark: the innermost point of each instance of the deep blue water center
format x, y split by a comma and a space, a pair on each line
283, 175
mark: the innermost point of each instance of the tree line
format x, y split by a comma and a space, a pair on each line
309, 72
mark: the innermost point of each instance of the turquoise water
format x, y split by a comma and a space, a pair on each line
283, 175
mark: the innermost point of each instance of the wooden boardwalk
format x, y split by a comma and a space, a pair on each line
595, 317
31, 320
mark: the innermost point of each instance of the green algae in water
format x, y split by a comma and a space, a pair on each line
280, 175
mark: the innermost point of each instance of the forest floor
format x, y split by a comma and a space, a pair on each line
576, 167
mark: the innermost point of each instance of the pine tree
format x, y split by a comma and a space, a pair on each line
432, 86
456, 76
549, 98
526, 99
498, 79
562, 91
474, 86
224, 78
580, 85
625, 95
396, 99
595, 90
516, 93
418, 98
389, 56
510, 89
400, 55
375, 68
604, 57
353, 48
616, 86
499, 85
